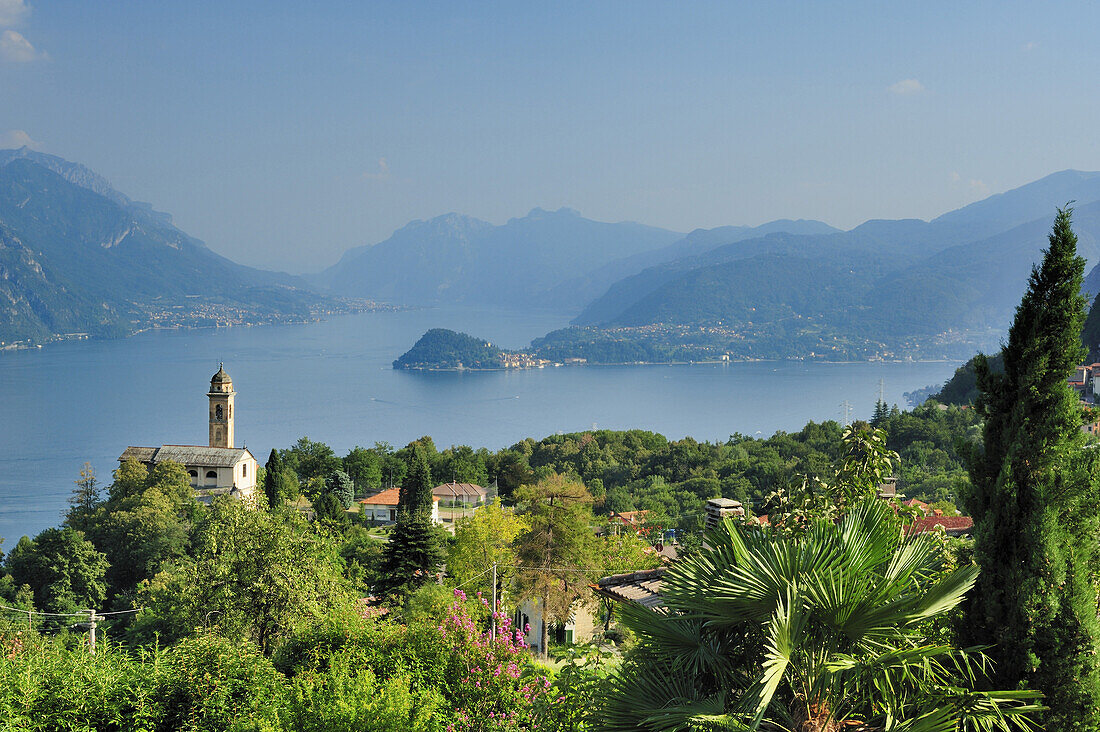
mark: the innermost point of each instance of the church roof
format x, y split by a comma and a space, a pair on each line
221, 377
214, 457
141, 454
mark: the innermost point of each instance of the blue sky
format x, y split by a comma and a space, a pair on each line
284, 133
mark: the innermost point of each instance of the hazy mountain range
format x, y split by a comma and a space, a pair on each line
77, 255
963, 270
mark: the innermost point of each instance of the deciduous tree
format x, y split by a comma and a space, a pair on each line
63, 570
253, 575
556, 548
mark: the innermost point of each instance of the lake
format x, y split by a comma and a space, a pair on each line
87, 400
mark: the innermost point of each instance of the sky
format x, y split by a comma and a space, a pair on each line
283, 133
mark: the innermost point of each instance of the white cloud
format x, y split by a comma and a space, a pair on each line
906, 87
17, 49
16, 138
1031, 45
383, 171
978, 187
12, 12
973, 185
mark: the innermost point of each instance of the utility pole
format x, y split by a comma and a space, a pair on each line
882, 390
92, 619
847, 406
493, 617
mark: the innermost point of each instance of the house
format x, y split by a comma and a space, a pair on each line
458, 499
382, 507
628, 518
215, 469
580, 628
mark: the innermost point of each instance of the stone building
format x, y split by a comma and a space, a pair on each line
217, 468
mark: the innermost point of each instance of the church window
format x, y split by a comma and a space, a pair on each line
219, 412
211, 473
244, 470
194, 475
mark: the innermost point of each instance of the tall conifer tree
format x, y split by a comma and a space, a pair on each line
415, 549
1034, 501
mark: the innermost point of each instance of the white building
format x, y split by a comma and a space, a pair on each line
217, 468
580, 628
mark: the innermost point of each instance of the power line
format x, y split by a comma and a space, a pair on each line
79, 614
476, 576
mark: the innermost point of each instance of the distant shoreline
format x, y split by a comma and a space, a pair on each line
317, 317
453, 369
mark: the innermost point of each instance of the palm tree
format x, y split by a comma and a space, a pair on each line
819, 632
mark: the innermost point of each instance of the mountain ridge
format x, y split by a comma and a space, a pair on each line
81, 258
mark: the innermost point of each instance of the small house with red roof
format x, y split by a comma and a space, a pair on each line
382, 507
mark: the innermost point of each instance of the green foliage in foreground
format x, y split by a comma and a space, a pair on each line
812, 632
1035, 501
340, 673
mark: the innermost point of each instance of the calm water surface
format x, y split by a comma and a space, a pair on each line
86, 401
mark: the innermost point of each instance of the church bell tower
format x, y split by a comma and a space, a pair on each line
221, 409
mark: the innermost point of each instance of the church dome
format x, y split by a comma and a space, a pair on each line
221, 378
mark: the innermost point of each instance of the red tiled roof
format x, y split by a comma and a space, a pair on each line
385, 498
951, 524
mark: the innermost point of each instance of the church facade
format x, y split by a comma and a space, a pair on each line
215, 469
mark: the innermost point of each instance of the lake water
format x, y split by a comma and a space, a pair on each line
86, 401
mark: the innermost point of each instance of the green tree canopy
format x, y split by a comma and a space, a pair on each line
253, 575
145, 523
365, 468
63, 570
1034, 501
482, 540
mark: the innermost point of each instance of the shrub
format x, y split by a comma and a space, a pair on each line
210, 684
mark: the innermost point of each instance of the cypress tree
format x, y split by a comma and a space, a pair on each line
415, 548
272, 468
1034, 502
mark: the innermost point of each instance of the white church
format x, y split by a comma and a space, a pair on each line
217, 468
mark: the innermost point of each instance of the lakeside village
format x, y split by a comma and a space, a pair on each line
198, 312
222, 469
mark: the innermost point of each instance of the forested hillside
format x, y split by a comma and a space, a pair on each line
440, 348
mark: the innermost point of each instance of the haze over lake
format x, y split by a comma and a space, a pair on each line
332, 381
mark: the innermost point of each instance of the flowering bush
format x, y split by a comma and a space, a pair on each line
496, 685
